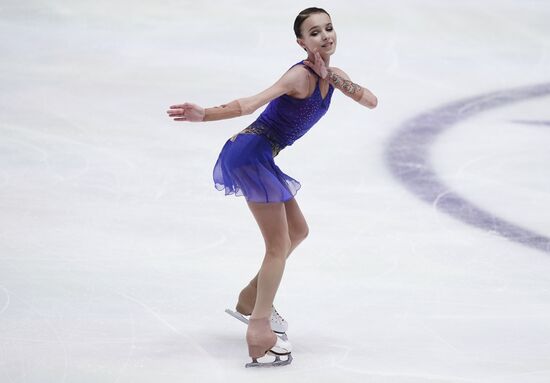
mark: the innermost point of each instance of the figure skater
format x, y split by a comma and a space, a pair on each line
246, 167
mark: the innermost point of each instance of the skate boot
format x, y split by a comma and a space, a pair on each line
278, 324
263, 341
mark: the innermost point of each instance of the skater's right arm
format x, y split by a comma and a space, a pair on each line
295, 80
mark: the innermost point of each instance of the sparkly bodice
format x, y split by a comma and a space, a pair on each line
288, 118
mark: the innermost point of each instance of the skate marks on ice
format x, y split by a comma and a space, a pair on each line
7, 299
40, 347
48, 337
407, 155
189, 338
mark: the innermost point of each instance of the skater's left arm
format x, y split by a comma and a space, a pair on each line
340, 80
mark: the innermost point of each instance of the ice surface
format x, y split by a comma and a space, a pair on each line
118, 256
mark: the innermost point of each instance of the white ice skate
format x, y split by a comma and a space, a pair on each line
278, 324
259, 347
281, 348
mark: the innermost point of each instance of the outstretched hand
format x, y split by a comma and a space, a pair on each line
318, 65
186, 112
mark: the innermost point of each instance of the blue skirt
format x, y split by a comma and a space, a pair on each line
245, 167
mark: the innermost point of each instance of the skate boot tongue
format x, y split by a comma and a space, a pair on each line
278, 323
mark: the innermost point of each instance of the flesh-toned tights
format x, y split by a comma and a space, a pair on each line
283, 228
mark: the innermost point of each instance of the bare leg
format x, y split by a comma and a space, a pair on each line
271, 218
297, 232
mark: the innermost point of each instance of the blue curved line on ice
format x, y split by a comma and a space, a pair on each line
407, 155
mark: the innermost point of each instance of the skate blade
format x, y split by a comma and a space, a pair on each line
244, 319
237, 315
278, 362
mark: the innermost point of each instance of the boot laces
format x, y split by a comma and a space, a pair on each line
276, 316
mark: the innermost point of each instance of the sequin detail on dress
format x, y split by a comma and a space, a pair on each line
289, 118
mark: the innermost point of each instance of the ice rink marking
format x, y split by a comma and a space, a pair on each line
407, 155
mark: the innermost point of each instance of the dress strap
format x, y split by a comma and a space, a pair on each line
298, 63
308, 68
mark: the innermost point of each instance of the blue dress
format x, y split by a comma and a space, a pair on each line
245, 166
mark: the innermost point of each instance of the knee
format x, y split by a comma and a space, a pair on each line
278, 247
297, 235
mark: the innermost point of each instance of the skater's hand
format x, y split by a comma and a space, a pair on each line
186, 112
318, 65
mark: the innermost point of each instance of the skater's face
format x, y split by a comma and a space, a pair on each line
318, 34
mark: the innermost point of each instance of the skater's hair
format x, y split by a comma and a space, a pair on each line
302, 16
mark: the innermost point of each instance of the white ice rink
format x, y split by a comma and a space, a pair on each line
428, 258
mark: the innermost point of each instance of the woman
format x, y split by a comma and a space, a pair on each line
246, 166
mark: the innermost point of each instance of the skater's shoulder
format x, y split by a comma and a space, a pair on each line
298, 71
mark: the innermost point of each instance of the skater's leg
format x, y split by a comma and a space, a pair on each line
297, 231
271, 218
297, 225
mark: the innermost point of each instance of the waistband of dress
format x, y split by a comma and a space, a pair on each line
258, 128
